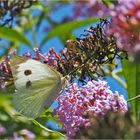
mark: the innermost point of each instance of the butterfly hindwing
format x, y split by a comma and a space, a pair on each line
32, 102
37, 84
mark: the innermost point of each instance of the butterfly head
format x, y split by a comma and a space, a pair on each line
65, 80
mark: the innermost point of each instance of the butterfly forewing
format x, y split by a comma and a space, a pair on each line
37, 84
24, 70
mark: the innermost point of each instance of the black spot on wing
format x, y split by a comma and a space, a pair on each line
28, 84
27, 72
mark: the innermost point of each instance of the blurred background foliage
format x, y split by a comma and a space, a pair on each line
25, 25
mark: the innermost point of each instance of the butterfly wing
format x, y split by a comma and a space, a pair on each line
37, 85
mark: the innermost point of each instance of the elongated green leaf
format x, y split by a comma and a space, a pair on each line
14, 36
47, 129
132, 75
64, 31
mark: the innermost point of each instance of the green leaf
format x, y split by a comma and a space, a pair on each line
48, 114
14, 35
47, 129
109, 2
119, 72
3, 116
4, 98
132, 76
64, 31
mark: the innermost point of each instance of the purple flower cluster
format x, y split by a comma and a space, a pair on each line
52, 57
4, 65
125, 25
20, 135
95, 97
23, 134
88, 8
5, 71
2, 129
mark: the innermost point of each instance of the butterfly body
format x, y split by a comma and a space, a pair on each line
37, 86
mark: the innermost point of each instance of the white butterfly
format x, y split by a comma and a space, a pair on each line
37, 84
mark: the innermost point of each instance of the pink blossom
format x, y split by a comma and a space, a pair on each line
94, 97
125, 23
2, 130
88, 8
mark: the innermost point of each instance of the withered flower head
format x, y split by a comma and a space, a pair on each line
113, 125
90, 53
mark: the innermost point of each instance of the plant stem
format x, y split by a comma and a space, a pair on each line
122, 83
46, 129
133, 98
117, 78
